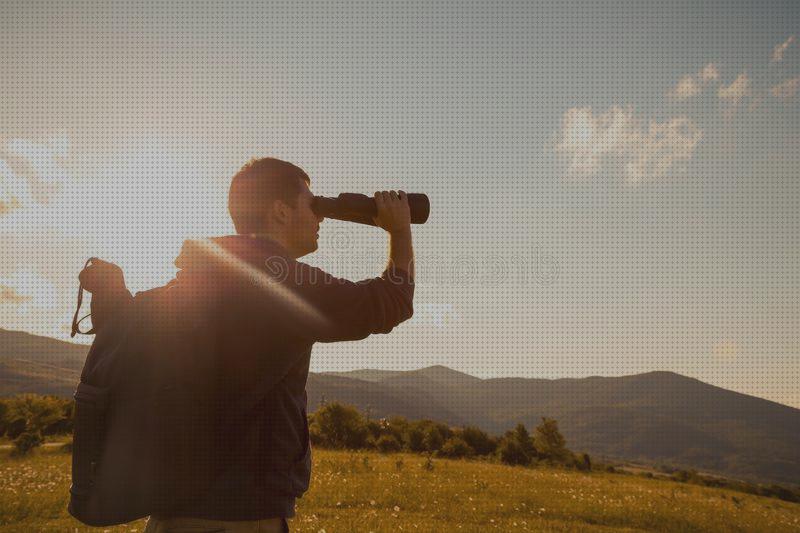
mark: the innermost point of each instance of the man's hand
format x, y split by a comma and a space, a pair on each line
394, 215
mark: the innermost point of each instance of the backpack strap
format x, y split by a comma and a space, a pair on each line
106, 282
75, 322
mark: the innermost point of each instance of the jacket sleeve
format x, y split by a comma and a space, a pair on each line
347, 310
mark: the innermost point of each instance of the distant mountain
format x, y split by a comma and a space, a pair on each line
30, 363
656, 417
436, 374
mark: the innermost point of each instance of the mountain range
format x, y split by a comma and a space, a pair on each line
656, 417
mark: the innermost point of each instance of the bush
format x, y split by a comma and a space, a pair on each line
511, 452
424, 435
414, 438
516, 447
456, 447
28, 416
549, 442
682, 476
583, 462
388, 444
777, 491
478, 440
26, 442
3, 417
433, 439
374, 430
666, 469
64, 424
339, 426
397, 426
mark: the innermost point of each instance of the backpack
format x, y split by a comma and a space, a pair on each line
136, 410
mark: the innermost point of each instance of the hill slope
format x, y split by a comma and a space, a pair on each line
30, 363
386, 493
652, 417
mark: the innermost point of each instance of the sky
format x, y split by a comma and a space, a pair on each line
614, 185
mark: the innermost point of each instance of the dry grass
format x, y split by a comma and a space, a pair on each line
389, 493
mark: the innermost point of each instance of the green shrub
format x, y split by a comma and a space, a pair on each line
549, 442
478, 440
339, 426
583, 462
27, 442
456, 447
414, 438
511, 452
388, 444
433, 439
27, 418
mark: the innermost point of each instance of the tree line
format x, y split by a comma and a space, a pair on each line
340, 426
26, 420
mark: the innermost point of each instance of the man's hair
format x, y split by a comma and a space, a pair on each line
257, 184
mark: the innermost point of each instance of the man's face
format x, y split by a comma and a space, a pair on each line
304, 228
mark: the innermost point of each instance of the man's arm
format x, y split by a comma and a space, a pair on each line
395, 217
357, 310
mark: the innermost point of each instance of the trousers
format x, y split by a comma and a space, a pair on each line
201, 525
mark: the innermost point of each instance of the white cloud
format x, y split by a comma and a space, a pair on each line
709, 73
10, 295
786, 89
14, 191
777, 52
693, 84
664, 144
48, 173
31, 303
736, 91
686, 88
28, 288
588, 141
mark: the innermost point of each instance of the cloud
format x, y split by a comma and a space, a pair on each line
693, 84
44, 179
30, 302
709, 73
14, 191
10, 295
588, 141
777, 52
28, 289
43, 159
664, 144
686, 88
786, 89
736, 91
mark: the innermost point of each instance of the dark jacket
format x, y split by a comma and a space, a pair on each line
252, 363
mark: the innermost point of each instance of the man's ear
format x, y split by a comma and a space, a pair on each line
281, 211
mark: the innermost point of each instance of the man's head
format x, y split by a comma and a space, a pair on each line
272, 197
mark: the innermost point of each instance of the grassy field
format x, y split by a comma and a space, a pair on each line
389, 493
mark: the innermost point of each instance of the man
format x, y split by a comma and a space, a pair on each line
253, 457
